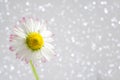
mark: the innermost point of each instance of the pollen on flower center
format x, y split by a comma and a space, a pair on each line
34, 41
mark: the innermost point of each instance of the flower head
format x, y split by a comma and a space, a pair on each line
32, 41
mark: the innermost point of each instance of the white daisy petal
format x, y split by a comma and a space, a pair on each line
43, 26
24, 53
18, 40
48, 45
19, 33
26, 28
28, 25
37, 57
37, 26
31, 25
48, 39
46, 33
48, 54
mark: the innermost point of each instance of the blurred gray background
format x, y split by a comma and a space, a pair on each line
87, 39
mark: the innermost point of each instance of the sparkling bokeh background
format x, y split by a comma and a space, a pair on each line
87, 39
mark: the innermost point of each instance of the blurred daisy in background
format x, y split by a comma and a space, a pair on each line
31, 41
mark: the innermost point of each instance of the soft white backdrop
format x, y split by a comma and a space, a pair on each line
87, 39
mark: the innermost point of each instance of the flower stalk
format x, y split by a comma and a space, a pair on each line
34, 70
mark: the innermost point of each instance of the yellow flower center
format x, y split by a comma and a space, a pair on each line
34, 41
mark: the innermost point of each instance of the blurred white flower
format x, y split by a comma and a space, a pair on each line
31, 41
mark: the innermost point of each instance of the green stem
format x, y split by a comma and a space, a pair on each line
34, 70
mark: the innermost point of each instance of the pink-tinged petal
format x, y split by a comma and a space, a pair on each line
26, 61
52, 35
23, 20
12, 36
36, 19
55, 55
11, 48
43, 60
18, 56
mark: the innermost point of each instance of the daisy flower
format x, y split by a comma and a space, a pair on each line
31, 41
